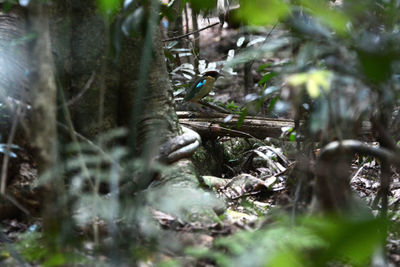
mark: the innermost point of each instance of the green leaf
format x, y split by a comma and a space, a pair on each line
315, 81
7, 6
352, 239
297, 79
264, 66
243, 115
56, 260
331, 17
318, 80
272, 103
30, 246
267, 77
108, 7
169, 55
287, 258
262, 12
376, 66
292, 136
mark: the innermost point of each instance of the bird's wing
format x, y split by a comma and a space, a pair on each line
192, 92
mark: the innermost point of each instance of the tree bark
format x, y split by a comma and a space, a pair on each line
43, 117
135, 85
43, 89
13, 54
80, 37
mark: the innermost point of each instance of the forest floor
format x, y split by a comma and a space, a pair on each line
263, 181
256, 187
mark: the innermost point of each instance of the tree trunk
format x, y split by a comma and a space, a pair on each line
80, 37
13, 56
43, 89
82, 45
175, 27
135, 85
43, 117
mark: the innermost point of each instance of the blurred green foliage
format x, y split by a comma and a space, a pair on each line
31, 246
312, 241
109, 7
263, 12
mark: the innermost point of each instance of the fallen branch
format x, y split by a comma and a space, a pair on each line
211, 125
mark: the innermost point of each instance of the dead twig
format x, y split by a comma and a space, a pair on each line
217, 108
7, 152
190, 33
15, 203
81, 93
357, 172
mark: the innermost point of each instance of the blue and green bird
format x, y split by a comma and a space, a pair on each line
202, 86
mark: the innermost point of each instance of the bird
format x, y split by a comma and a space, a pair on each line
202, 86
